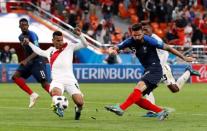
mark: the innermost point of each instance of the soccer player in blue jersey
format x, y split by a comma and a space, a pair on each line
145, 50
168, 78
31, 65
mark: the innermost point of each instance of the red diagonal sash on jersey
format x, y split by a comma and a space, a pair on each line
56, 54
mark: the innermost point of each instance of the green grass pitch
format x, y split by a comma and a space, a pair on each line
190, 110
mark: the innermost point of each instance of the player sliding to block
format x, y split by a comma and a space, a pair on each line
60, 58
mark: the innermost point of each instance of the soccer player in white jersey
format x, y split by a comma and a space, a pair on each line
60, 58
168, 79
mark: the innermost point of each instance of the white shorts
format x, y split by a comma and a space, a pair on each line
167, 75
71, 89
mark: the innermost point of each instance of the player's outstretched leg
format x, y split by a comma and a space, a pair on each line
193, 72
115, 109
161, 114
33, 98
132, 98
185, 76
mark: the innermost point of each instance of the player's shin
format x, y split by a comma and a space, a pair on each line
182, 80
78, 100
21, 83
133, 97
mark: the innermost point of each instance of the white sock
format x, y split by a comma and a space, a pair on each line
77, 109
182, 80
150, 98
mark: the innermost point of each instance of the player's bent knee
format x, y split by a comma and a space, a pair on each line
16, 75
56, 92
43, 81
173, 88
141, 86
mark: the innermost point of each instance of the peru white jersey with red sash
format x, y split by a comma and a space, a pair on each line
61, 60
61, 63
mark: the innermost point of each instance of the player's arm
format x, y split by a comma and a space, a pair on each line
124, 44
36, 49
30, 57
26, 60
83, 42
177, 53
34, 39
161, 45
33, 55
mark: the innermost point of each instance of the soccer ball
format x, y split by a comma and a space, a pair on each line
61, 101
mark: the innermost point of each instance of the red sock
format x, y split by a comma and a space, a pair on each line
47, 87
133, 97
145, 104
21, 83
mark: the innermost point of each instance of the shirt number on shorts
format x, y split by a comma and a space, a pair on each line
42, 73
164, 77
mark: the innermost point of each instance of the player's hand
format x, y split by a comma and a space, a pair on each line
112, 50
189, 59
77, 31
24, 62
25, 41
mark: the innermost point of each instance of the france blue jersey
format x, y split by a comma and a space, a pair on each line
145, 50
32, 36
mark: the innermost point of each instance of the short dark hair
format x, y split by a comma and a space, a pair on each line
136, 27
57, 33
145, 22
23, 20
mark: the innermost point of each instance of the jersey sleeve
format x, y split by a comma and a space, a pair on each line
152, 41
20, 38
40, 52
81, 44
34, 38
126, 43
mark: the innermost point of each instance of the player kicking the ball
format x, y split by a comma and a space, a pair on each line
168, 79
145, 50
60, 58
